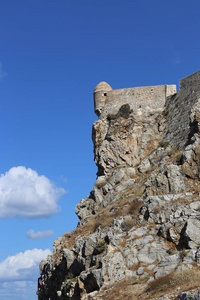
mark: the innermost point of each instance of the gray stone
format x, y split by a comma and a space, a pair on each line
89, 244
101, 181
198, 256
125, 185
113, 267
187, 296
152, 252
140, 271
192, 232
144, 166
130, 172
98, 196
130, 256
138, 232
174, 236
195, 205
78, 245
190, 257
175, 178
167, 265
69, 256
117, 176
92, 280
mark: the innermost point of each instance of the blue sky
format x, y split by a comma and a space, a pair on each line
52, 55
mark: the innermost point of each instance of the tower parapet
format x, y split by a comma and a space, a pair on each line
100, 94
140, 99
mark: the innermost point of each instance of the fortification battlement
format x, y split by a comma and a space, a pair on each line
142, 98
137, 97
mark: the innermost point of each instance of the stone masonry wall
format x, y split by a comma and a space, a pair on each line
180, 111
140, 99
189, 84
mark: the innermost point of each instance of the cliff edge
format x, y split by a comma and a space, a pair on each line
138, 235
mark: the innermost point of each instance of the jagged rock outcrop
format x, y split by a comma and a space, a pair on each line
140, 224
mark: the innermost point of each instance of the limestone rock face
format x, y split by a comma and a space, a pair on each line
124, 139
141, 221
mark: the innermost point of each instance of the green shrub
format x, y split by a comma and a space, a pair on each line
179, 158
68, 282
99, 247
164, 144
166, 111
182, 254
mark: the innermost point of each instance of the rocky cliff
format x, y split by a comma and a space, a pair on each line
138, 235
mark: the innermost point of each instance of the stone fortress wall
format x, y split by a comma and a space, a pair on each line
144, 101
181, 111
189, 84
139, 98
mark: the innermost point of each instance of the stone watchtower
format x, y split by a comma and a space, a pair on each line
141, 99
100, 93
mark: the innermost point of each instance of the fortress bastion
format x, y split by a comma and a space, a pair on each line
145, 98
139, 98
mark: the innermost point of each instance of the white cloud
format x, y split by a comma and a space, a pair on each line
23, 193
2, 73
18, 290
23, 266
39, 235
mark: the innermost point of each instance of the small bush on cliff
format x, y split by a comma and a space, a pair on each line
127, 224
164, 144
68, 283
166, 110
179, 158
99, 247
182, 254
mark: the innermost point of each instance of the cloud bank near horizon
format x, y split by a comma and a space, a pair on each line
31, 234
18, 290
23, 266
23, 193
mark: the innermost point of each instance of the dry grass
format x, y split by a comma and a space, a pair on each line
129, 204
186, 280
135, 206
128, 224
121, 290
178, 157
134, 267
138, 289
122, 243
105, 218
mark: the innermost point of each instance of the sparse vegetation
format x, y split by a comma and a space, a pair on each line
127, 224
182, 254
172, 151
68, 282
164, 144
99, 247
166, 110
156, 209
179, 158
134, 206
122, 243
140, 280
184, 279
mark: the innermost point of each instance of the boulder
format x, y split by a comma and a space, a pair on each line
192, 232
167, 265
